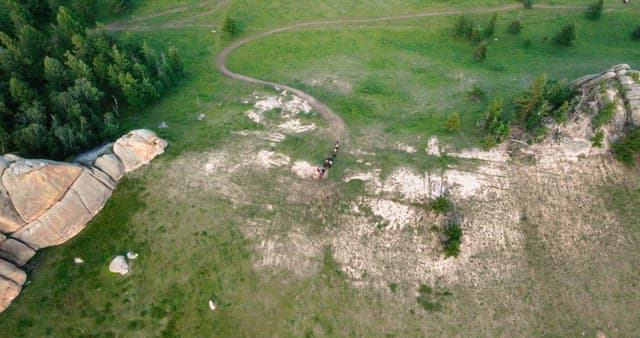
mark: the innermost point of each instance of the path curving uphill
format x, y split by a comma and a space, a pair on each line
336, 124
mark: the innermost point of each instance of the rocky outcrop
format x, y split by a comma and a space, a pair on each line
45, 203
619, 89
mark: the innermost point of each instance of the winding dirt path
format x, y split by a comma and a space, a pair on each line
336, 124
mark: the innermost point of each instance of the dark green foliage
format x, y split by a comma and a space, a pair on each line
467, 28
527, 43
481, 51
476, 94
594, 11
453, 232
561, 115
119, 6
597, 139
528, 4
604, 115
542, 99
514, 27
635, 35
85, 11
491, 26
441, 205
492, 123
58, 80
628, 149
230, 26
566, 35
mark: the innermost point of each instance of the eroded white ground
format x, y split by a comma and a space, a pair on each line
389, 235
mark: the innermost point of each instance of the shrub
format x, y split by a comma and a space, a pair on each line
627, 149
441, 205
604, 115
230, 25
488, 142
476, 94
561, 115
527, 43
463, 27
528, 4
514, 27
491, 26
426, 298
635, 35
453, 231
453, 122
594, 11
481, 51
566, 35
597, 139
492, 123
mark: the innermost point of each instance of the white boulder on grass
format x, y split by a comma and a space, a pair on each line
119, 265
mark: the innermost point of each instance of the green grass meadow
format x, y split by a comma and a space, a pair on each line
391, 82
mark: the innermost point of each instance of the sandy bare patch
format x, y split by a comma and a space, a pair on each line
433, 146
270, 136
397, 215
406, 148
304, 169
498, 154
296, 127
270, 159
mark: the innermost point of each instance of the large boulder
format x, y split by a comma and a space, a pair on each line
45, 203
138, 148
15, 251
111, 165
9, 290
36, 185
11, 272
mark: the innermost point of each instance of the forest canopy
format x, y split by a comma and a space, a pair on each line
64, 83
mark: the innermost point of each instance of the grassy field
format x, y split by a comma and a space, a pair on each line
391, 82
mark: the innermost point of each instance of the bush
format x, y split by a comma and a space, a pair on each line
597, 139
488, 142
528, 4
491, 26
635, 35
453, 231
566, 35
453, 122
426, 298
627, 149
481, 51
514, 27
594, 11
527, 43
492, 123
561, 115
230, 26
441, 205
476, 94
604, 115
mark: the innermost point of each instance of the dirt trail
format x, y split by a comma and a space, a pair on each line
336, 124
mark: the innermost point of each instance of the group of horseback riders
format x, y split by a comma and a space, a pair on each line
328, 162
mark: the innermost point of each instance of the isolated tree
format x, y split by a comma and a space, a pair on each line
514, 27
453, 122
230, 26
566, 35
594, 11
481, 51
491, 26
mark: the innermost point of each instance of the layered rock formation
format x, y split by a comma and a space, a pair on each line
618, 87
45, 203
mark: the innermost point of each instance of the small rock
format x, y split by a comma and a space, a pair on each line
132, 255
78, 260
119, 265
200, 117
163, 125
212, 305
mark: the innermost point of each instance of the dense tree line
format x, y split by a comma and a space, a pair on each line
63, 84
